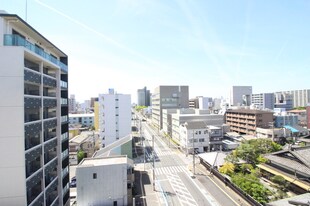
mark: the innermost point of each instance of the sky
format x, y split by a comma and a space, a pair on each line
205, 44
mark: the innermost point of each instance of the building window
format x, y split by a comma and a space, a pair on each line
94, 175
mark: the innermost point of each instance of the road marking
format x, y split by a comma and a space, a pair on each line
219, 187
181, 191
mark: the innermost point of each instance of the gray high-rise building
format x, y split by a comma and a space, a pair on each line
263, 100
168, 97
144, 97
34, 133
240, 95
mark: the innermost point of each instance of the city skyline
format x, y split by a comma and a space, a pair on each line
209, 46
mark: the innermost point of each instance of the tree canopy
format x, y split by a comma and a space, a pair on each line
252, 150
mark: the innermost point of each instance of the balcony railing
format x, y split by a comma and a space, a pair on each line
16, 40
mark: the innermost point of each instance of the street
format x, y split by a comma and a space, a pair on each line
174, 182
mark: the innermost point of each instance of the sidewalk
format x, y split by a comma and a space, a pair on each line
145, 195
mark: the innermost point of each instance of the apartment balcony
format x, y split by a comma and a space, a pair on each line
32, 140
30, 89
49, 81
51, 194
33, 161
16, 40
32, 102
48, 71
32, 76
34, 189
50, 151
49, 92
63, 85
49, 134
50, 172
49, 113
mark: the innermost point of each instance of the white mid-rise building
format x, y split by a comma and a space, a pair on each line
105, 181
240, 95
263, 100
114, 117
201, 137
83, 119
33, 117
173, 118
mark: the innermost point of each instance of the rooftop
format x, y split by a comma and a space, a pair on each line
101, 161
297, 159
82, 115
249, 111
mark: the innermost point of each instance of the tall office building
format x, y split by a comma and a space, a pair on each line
240, 95
263, 100
144, 97
33, 117
168, 97
114, 116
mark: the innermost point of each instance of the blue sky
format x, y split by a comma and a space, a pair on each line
206, 44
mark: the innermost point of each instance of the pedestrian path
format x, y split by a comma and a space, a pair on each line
184, 196
170, 170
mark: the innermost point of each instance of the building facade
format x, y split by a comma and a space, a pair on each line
245, 121
201, 137
144, 97
283, 100
83, 119
173, 118
33, 117
300, 97
285, 119
114, 117
308, 116
263, 100
72, 104
168, 97
105, 181
240, 95
201, 103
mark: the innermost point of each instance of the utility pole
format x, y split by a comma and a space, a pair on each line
193, 153
153, 152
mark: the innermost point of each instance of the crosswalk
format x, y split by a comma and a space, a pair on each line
170, 170
159, 152
184, 196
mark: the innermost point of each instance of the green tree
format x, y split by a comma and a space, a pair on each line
80, 155
227, 168
250, 184
246, 168
251, 150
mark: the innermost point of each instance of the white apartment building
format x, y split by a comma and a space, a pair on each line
174, 118
33, 117
83, 119
263, 100
201, 137
300, 97
114, 117
240, 95
105, 181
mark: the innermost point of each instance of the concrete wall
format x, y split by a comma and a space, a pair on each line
12, 167
110, 185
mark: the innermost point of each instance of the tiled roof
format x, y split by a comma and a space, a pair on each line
297, 159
